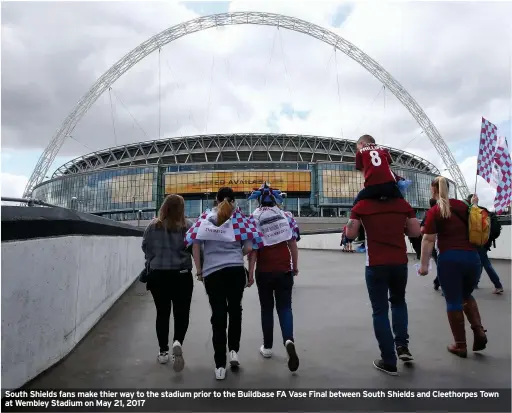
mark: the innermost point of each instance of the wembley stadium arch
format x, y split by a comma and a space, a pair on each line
242, 18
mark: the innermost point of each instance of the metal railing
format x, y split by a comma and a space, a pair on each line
28, 201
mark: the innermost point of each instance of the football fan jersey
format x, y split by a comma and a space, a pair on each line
374, 161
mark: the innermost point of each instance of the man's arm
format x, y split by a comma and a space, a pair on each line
413, 229
353, 226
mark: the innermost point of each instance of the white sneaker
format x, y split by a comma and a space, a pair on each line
178, 362
163, 357
220, 373
266, 352
293, 359
233, 359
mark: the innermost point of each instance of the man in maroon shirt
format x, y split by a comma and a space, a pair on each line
385, 223
379, 179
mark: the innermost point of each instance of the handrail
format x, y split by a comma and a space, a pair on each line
28, 201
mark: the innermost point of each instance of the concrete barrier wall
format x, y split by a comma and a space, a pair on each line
54, 291
58, 280
332, 242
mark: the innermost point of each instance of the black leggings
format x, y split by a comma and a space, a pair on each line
225, 289
170, 287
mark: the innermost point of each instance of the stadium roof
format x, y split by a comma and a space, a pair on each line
241, 147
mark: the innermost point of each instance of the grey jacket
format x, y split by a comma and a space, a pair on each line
165, 250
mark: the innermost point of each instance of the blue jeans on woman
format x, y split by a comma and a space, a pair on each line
381, 280
486, 263
275, 288
458, 272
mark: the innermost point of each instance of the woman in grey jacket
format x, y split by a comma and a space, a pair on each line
170, 278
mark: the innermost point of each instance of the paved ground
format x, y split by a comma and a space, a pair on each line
334, 337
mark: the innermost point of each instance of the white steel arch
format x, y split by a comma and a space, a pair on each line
228, 19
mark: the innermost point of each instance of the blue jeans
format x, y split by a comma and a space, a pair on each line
380, 280
458, 271
275, 287
486, 263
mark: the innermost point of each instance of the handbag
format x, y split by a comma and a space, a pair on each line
144, 274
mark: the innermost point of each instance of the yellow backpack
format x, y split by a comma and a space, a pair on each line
479, 225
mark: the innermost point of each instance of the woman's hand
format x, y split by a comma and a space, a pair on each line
200, 277
423, 270
474, 200
250, 280
295, 272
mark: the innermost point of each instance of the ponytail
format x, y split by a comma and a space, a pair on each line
224, 211
441, 184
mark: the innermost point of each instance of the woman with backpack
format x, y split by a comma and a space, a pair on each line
458, 265
486, 263
169, 276
219, 232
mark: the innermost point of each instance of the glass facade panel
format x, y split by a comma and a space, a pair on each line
314, 189
110, 190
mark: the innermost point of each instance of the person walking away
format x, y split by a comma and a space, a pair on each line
386, 272
482, 252
169, 277
223, 272
432, 203
458, 265
277, 265
379, 180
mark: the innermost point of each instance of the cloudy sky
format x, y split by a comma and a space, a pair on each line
453, 58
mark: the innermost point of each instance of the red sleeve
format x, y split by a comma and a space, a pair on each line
430, 222
354, 214
359, 161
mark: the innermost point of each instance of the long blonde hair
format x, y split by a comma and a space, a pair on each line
440, 185
172, 213
225, 198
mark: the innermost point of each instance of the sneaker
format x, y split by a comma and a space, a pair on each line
498, 291
163, 357
178, 363
233, 359
220, 373
293, 359
404, 354
386, 368
266, 352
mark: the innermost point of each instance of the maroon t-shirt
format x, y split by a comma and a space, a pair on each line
452, 233
374, 161
384, 224
275, 258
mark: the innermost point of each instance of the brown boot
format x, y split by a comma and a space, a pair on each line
456, 319
473, 315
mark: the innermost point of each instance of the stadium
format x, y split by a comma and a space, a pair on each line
317, 173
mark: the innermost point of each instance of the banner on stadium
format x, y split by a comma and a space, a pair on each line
241, 181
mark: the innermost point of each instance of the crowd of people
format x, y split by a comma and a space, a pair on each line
220, 239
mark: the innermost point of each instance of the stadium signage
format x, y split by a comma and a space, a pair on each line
241, 181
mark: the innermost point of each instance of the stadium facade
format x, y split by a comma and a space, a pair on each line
317, 173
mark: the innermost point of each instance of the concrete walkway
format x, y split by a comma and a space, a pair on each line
334, 336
